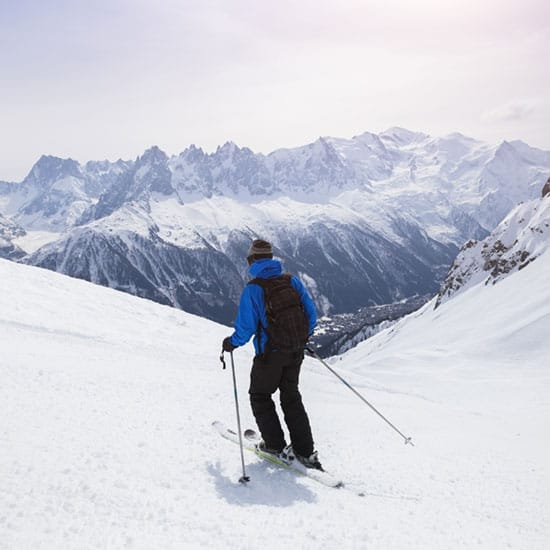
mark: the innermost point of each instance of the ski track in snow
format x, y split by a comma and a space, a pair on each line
107, 404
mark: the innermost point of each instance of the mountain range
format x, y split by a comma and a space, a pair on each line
364, 221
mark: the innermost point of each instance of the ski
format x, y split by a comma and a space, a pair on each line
318, 475
250, 441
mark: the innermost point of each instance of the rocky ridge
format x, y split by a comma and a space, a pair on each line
516, 242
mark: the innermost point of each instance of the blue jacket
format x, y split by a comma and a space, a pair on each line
252, 307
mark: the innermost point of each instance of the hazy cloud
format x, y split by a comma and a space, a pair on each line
512, 111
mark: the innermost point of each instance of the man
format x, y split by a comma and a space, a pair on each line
275, 368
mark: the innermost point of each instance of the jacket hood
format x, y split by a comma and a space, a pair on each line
266, 268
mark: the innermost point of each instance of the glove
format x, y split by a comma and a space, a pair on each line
227, 345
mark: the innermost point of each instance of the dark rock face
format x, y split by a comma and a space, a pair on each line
494, 259
352, 267
343, 268
203, 282
546, 188
10, 251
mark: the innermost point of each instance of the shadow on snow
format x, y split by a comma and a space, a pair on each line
268, 485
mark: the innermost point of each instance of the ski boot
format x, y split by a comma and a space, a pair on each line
288, 455
311, 461
262, 447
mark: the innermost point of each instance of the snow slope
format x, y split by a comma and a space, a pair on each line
107, 401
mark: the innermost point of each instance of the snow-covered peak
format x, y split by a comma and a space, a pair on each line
458, 136
516, 152
459, 169
101, 168
52, 197
366, 156
192, 154
153, 156
313, 169
512, 174
151, 174
505, 150
322, 148
530, 154
49, 169
227, 149
455, 146
402, 136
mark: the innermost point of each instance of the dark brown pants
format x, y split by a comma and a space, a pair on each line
280, 371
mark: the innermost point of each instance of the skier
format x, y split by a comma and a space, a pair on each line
275, 368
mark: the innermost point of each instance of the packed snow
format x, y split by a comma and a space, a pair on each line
107, 405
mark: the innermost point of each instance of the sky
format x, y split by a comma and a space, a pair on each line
108, 79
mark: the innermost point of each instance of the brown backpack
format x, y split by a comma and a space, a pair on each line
287, 325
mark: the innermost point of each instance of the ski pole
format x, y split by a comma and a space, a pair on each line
244, 478
408, 440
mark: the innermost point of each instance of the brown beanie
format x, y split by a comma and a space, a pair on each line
259, 249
